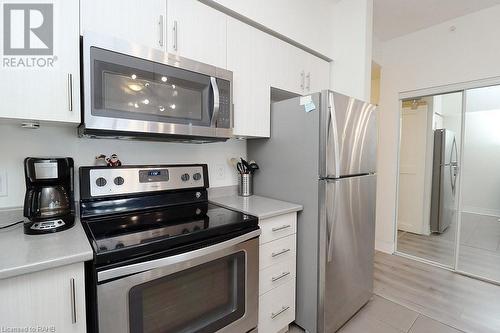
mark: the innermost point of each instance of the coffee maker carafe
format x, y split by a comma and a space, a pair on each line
49, 200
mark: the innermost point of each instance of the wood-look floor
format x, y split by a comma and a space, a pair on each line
450, 298
479, 252
412, 297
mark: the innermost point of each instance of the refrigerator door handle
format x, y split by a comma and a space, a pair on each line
330, 232
334, 132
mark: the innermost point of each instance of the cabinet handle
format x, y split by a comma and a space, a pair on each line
308, 86
302, 80
73, 300
280, 253
160, 28
283, 309
174, 36
279, 277
70, 92
286, 226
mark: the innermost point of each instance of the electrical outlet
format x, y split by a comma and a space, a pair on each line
3, 183
220, 171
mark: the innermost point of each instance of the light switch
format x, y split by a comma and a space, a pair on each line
3, 183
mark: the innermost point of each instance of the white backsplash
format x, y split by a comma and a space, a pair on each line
59, 141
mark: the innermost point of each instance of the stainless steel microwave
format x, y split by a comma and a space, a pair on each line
131, 91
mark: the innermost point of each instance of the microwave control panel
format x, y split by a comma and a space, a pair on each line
224, 117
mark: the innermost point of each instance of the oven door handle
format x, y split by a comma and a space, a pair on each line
163, 262
216, 106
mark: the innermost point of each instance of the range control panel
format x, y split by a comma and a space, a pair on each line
134, 180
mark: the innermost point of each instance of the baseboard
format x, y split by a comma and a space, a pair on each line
384, 246
481, 211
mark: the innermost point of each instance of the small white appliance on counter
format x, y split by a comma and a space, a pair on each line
322, 154
135, 92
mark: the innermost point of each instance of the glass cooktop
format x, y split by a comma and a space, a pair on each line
172, 226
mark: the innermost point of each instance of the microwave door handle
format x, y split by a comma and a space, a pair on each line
215, 112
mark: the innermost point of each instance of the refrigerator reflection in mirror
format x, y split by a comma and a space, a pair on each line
428, 177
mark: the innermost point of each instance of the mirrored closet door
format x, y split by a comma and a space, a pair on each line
448, 210
479, 246
429, 158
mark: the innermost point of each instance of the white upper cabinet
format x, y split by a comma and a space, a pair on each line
38, 83
197, 32
302, 73
317, 75
137, 21
251, 88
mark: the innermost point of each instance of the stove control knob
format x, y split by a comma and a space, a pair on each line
119, 180
185, 177
197, 176
100, 182
119, 245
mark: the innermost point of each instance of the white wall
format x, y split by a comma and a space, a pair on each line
430, 57
352, 51
306, 22
481, 163
17, 143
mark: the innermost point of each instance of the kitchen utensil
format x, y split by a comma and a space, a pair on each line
245, 164
234, 162
240, 168
253, 166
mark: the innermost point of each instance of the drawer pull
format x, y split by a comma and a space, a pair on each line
279, 277
275, 254
73, 300
286, 226
283, 309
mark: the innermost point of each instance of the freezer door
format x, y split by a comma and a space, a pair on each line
347, 241
348, 136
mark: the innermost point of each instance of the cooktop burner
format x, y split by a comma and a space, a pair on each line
171, 225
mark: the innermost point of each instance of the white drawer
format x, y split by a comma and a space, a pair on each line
278, 251
277, 227
276, 275
277, 308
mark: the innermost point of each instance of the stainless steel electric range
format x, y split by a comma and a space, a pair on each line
165, 259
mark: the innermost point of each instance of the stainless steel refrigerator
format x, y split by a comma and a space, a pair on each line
444, 180
322, 154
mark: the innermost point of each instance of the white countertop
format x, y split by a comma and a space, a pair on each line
21, 254
261, 207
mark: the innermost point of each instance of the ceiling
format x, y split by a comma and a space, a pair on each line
394, 18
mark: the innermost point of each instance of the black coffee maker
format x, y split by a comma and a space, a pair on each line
49, 200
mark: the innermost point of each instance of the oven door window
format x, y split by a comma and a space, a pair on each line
203, 298
126, 87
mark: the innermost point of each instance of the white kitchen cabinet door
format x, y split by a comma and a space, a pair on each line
317, 74
40, 91
288, 72
197, 32
137, 21
251, 88
53, 298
